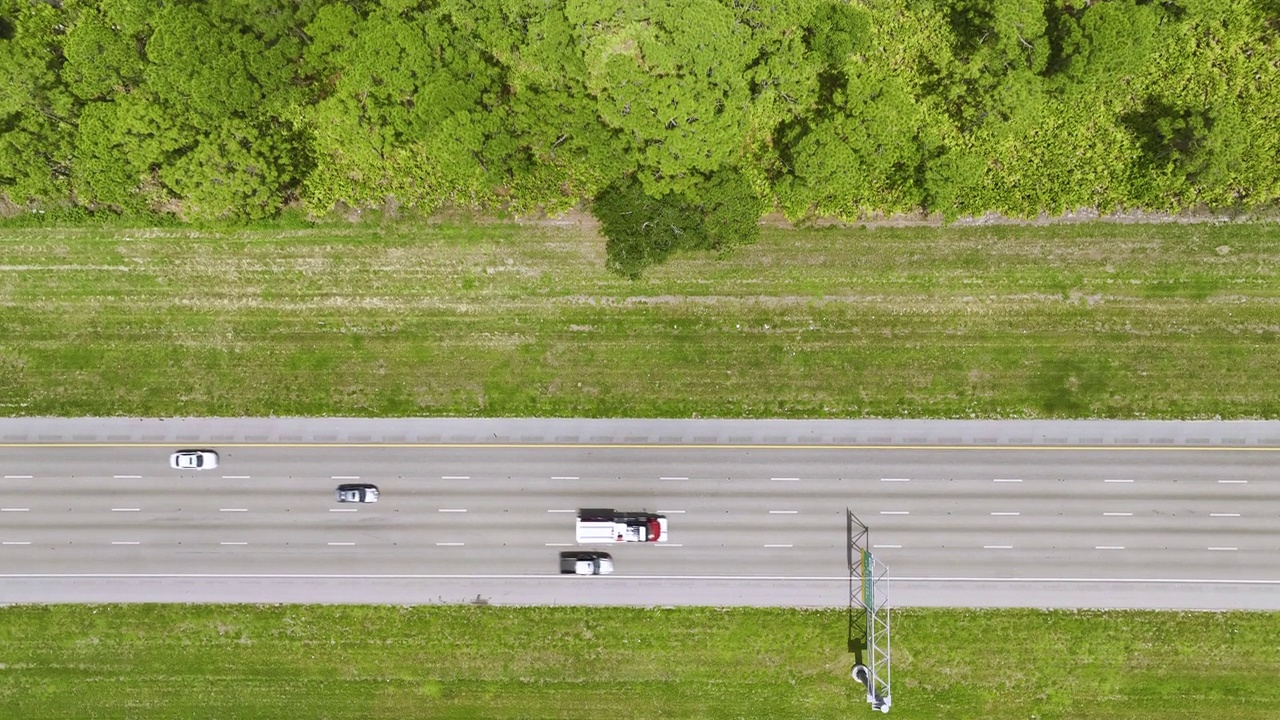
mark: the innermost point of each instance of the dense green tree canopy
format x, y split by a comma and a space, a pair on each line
707, 108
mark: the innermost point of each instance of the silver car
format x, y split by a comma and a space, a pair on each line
356, 493
193, 460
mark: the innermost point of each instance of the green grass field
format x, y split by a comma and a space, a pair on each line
242, 662
1133, 321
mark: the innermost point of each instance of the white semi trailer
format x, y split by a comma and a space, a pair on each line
606, 525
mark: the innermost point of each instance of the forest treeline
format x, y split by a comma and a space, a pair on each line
682, 120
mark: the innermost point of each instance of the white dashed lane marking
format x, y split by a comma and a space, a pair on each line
15, 509
1224, 514
564, 477
1007, 480
559, 544
345, 477
672, 477
127, 477
1117, 481
895, 479
886, 546
997, 547
342, 509
778, 546
233, 543
1234, 482
1117, 514
126, 509
342, 543
16, 542
235, 477
785, 479
895, 512
449, 544
783, 512
452, 510
17, 477
125, 542
1228, 549
233, 510
1108, 547
1005, 513
559, 511
455, 477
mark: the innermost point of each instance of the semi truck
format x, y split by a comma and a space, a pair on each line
606, 525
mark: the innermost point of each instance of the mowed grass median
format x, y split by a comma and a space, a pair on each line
243, 662
1094, 320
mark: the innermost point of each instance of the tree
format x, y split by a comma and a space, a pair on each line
239, 170
719, 212
411, 113
37, 111
669, 75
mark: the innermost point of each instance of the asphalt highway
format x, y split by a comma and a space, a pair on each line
968, 523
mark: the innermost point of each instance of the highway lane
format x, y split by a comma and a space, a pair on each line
455, 519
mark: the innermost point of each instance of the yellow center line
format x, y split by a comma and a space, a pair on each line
657, 446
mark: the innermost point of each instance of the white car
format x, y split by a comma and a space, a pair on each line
193, 460
356, 493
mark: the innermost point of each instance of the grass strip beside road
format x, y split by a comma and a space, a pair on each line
1094, 320
245, 662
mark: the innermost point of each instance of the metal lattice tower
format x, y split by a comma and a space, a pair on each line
869, 613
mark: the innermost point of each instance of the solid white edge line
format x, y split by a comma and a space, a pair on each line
762, 578
784, 512
1117, 514
17, 477
1224, 514
455, 477
1006, 513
